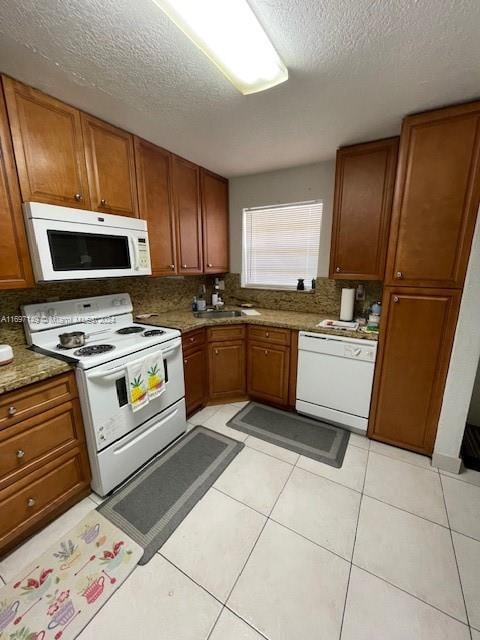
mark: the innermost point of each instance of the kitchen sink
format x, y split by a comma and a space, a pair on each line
217, 314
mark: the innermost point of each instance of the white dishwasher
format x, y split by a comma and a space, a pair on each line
335, 377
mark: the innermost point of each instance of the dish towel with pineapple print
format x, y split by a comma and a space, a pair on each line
155, 371
137, 384
59, 593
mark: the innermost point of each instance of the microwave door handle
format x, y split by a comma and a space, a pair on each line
111, 373
133, 248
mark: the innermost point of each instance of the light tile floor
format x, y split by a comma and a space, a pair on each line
286, 548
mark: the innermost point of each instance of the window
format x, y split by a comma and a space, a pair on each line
281, 244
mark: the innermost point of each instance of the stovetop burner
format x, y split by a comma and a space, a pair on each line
153, 332
93, 350
127, 330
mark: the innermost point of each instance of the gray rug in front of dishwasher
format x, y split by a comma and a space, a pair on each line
311, 438
151, 505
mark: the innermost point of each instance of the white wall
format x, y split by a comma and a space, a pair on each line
309, 182
462, 369
474, 411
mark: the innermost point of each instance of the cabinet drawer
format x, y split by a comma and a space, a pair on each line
219, 334
193, 339
272, 335
31, 500
31, 400
27, 443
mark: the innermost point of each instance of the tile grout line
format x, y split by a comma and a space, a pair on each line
456, 560
412, 595
394, 506
353, 547
259, 535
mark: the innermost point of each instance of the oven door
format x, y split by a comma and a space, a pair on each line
68, 250
110, 416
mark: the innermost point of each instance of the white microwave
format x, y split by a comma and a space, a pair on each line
72, 244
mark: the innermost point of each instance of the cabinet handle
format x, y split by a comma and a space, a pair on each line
185, 361
266, 352
267, 335
399, 275
172, 267
395, 298
20, 454
78, 197
184, 266
209, 265
216, 352
31, 502
103, 202
12, 411
192, 339
338, 269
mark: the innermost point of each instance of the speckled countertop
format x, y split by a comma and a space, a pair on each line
186, 321
28, 367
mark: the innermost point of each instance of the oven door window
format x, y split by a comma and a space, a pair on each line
73, 251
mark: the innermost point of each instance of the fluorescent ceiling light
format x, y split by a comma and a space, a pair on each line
228, 32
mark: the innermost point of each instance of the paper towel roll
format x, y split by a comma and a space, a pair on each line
346, 305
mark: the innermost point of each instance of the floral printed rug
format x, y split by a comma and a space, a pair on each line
58, 594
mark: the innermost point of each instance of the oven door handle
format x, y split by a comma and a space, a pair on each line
107, 375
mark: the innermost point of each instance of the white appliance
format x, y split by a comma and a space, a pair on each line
69, 244
119, 440
335, 377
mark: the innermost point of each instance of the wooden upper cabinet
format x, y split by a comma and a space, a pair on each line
215, 222
15, 267
48, 144
364, 185
186, 198
155, 205
111, 167
418, 326
436, 197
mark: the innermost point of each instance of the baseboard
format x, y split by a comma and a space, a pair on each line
447, 463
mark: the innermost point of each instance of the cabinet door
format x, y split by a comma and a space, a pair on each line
226, 369
268, 369
155, 204
47, 138
436, 198
196, 380
364, 183
111, 167
417, 332
186, 196
15, 267
215, 222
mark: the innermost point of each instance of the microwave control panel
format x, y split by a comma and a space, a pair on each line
143, 254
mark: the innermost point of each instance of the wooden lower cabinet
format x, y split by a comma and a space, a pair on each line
196, 381
44, 466
226, 369
268, 372
418, 327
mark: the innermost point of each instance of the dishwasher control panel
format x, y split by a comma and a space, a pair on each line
352, 348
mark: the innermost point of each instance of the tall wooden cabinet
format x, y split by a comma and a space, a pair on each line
436, 200
110, 160
156, 206
186, 194
15, 267
364, 183
48, 142
215, 222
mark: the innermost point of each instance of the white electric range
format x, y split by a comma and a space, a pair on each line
119, 440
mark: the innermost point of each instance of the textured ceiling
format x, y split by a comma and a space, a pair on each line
356, 67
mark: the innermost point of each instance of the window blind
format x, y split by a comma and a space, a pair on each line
281, 244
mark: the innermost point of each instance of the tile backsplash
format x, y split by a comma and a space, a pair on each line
325, 299
168, 294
